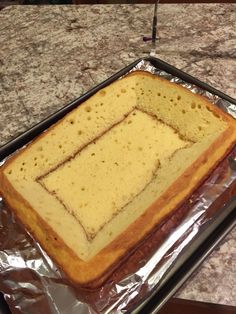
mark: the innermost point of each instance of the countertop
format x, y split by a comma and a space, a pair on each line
50, 55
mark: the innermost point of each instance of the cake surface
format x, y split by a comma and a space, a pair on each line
105, 176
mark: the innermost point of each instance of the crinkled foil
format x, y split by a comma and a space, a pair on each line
32, 283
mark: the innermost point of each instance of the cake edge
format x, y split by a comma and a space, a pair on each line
100, 267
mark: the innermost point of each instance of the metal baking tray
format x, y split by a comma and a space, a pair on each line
153, 303
190, 260
202, 245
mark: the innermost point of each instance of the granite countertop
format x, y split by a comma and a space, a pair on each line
50, 55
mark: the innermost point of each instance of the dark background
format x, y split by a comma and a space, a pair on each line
4, 3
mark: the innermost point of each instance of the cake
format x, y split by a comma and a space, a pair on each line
93, 186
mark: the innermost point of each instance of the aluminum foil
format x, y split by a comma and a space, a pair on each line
32, 283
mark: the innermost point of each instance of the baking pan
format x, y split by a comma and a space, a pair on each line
203, 244
190, 260
153, 303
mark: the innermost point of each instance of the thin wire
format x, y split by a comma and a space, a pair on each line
154, 29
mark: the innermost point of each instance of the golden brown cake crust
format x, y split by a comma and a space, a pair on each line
94, 272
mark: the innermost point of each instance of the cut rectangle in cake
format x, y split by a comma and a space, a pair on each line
103, 178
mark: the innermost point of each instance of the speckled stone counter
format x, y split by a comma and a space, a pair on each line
50, 55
